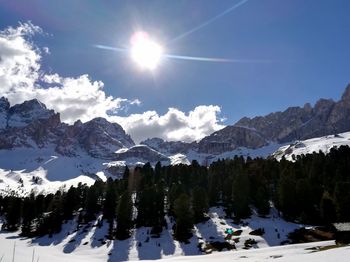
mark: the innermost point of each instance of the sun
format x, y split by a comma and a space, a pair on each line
145, 51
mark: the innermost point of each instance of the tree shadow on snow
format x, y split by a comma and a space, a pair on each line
99, 236
77, 238
275, 227
209, 231
120, 250
148, 248
67, 229
167, 240
191, 248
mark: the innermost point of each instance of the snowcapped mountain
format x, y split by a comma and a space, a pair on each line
309, 146
296, 123
252, 134
32, 125
23, 114
38, 152
33, 139
169, 147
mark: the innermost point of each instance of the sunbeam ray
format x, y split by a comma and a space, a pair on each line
211, 20
213, 59
106, 47
191, 58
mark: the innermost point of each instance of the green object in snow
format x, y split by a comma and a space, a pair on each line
229, 231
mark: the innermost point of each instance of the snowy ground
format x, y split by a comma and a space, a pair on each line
89, 243
53, 171
51, 251
309, 146
207, 159
19, 167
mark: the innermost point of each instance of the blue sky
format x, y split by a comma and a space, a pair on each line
307, 42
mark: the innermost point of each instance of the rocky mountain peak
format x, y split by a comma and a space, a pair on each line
323, 104
31, 124
346, 94
104, 127
295, 123
99, 121
152, 142
29, 105
4, 107
4, 104
307, 107
77, 123
169, 147
28, 111
101, 138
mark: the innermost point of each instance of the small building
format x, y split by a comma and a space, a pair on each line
342, 233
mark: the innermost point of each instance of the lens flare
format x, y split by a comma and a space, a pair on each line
145, 51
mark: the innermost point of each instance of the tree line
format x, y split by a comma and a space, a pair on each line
314, 189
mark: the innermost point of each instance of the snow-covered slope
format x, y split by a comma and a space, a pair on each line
43, 170
309, 146
88, 243
23, 114
34, 142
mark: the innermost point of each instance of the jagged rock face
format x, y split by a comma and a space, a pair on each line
169, 147
31, 124
22, 114
26, 125
101, 138
339, 117
4, 107
37, 133
142, 153
277, 126
231, 138
295, 123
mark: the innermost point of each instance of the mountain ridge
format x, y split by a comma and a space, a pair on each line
32, 125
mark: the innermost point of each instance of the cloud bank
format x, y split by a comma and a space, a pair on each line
79, 97
173, 125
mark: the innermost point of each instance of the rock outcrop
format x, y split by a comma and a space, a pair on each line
296, 123
31, 124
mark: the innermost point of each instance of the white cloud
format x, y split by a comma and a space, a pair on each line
20, 75
173, 125
19, 59
21, 78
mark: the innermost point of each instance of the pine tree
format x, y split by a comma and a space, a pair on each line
304, 199
110, 201
93, 200
91, 204
241, 196
327, 209
184, 218
55, 218
200, 204
174, 192
124, 216
28, 215
342, 201
13, 213
150, 207
262, 200
287, 196
70, 203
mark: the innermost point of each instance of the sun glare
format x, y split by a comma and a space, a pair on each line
144, 51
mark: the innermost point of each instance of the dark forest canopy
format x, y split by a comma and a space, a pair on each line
315, 189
